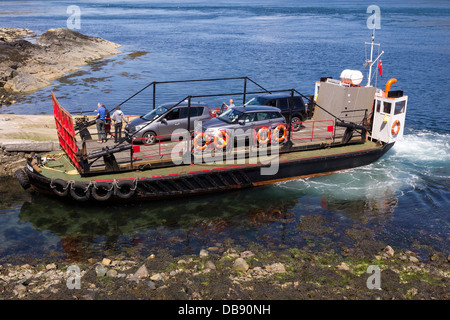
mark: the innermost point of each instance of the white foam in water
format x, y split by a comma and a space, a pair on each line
398, 172
424, 146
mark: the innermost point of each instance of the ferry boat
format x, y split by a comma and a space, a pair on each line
349, 125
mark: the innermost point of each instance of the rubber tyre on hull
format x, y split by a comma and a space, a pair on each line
80, 191
125, 189
23, 178
102, 191
60, 187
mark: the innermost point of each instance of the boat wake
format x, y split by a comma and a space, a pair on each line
420, 162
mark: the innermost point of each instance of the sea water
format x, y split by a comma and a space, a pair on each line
402, 199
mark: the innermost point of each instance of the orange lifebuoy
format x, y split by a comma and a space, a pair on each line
276, 133
221, 139
204, 137
261, 139
395, 127
214, 112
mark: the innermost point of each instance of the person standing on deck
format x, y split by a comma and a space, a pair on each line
118, 117
100, 120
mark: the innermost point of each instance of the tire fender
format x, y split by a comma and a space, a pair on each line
102, 191
22, 176
125, 188
60, 187
80, 191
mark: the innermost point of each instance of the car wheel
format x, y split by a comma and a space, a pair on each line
149, 137
296, 125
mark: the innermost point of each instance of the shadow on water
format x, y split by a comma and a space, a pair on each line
273, 217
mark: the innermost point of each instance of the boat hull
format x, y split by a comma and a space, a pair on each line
218, 179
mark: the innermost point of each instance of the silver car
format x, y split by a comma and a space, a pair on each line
163, 120
244, 123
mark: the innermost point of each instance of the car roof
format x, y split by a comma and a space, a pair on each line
255, 108
183, 104
276, 96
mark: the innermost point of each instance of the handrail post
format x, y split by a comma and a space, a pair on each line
154, 94
187, 157
189, 115
291, 102
245, 91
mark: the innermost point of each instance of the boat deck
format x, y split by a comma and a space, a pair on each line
61, 168
312, 133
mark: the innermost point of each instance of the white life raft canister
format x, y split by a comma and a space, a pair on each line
353, 77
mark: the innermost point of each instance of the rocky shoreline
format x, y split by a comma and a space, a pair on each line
231, 273
29, 62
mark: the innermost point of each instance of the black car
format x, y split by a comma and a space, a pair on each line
282, 102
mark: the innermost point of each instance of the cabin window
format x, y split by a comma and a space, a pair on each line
400, 107
387, 107
378, 105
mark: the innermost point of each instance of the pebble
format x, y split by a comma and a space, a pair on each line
100, 270
204, 253
276, 268
141, 272
20, 289
157, 277
50, 266
343, 266
240, 265
106, 261
112, 273
413, 259
247, 254
389, 251
210, 265
151, 285
412, 291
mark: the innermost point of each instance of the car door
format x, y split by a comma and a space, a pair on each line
174, 119
245, 127
262, 120
196, 115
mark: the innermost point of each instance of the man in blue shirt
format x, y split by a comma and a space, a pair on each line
101, 113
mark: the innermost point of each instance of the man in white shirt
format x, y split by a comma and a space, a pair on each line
231, 105
118, 117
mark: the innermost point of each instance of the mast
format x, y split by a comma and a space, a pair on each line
371, 62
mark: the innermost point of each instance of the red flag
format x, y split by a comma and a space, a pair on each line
380, 68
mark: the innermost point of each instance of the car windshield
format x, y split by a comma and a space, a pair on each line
154, 114
230, 116
256, 101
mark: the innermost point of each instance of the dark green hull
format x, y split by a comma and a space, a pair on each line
185, 180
